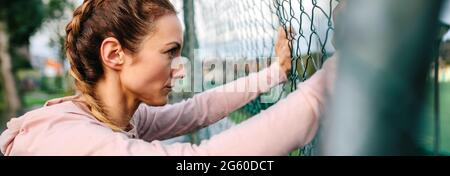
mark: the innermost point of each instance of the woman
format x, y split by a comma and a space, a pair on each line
120, 54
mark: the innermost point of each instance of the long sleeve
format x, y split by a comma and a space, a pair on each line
158, 123
289, 124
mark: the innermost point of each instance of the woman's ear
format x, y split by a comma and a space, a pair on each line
111, 53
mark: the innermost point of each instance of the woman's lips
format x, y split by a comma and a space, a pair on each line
168, 88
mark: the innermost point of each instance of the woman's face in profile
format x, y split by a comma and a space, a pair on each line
148, 75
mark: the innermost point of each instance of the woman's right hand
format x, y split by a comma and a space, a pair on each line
283, 51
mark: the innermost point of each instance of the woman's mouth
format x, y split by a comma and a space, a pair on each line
168, 88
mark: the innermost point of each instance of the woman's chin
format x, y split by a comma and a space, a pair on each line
159, 102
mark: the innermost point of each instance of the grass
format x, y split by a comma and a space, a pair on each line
427, 133
38, 98
239, 116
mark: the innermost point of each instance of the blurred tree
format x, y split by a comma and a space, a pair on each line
19, 20
10, 92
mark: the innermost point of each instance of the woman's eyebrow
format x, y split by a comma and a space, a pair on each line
176, 43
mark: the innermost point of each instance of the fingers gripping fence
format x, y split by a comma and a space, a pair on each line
312, 25
246, 30
310, 45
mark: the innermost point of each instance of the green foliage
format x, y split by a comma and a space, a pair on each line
38, 98
23, 18
427, 127
2, 100
55, 8
19, 61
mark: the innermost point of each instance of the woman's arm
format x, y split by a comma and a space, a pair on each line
211, 106
289, 124
205, 108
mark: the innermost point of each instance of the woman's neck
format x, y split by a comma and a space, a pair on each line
119, 105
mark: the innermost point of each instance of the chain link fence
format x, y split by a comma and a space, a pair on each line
245, 31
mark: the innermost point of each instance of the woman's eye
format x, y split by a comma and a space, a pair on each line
173, 52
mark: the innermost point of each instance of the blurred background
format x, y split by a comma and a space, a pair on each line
34, 68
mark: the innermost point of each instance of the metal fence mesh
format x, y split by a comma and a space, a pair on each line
246, 29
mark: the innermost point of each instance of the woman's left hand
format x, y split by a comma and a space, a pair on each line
283, 51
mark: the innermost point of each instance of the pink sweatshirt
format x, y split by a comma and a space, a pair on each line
63, 128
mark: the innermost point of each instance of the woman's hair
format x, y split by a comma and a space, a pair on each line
129, 21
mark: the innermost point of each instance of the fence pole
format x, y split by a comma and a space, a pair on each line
385, 48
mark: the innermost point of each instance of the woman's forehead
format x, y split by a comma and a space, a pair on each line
168, 28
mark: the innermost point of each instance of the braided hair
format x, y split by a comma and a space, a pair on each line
129, 21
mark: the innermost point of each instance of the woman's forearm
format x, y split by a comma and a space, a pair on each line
205, 108
289, 124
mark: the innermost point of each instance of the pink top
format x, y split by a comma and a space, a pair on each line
63, 128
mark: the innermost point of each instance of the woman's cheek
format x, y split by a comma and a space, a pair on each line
165, 68
136, 78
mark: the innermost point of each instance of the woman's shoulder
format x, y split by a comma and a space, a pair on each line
51, 116
51, 123
66, 110
62, 110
